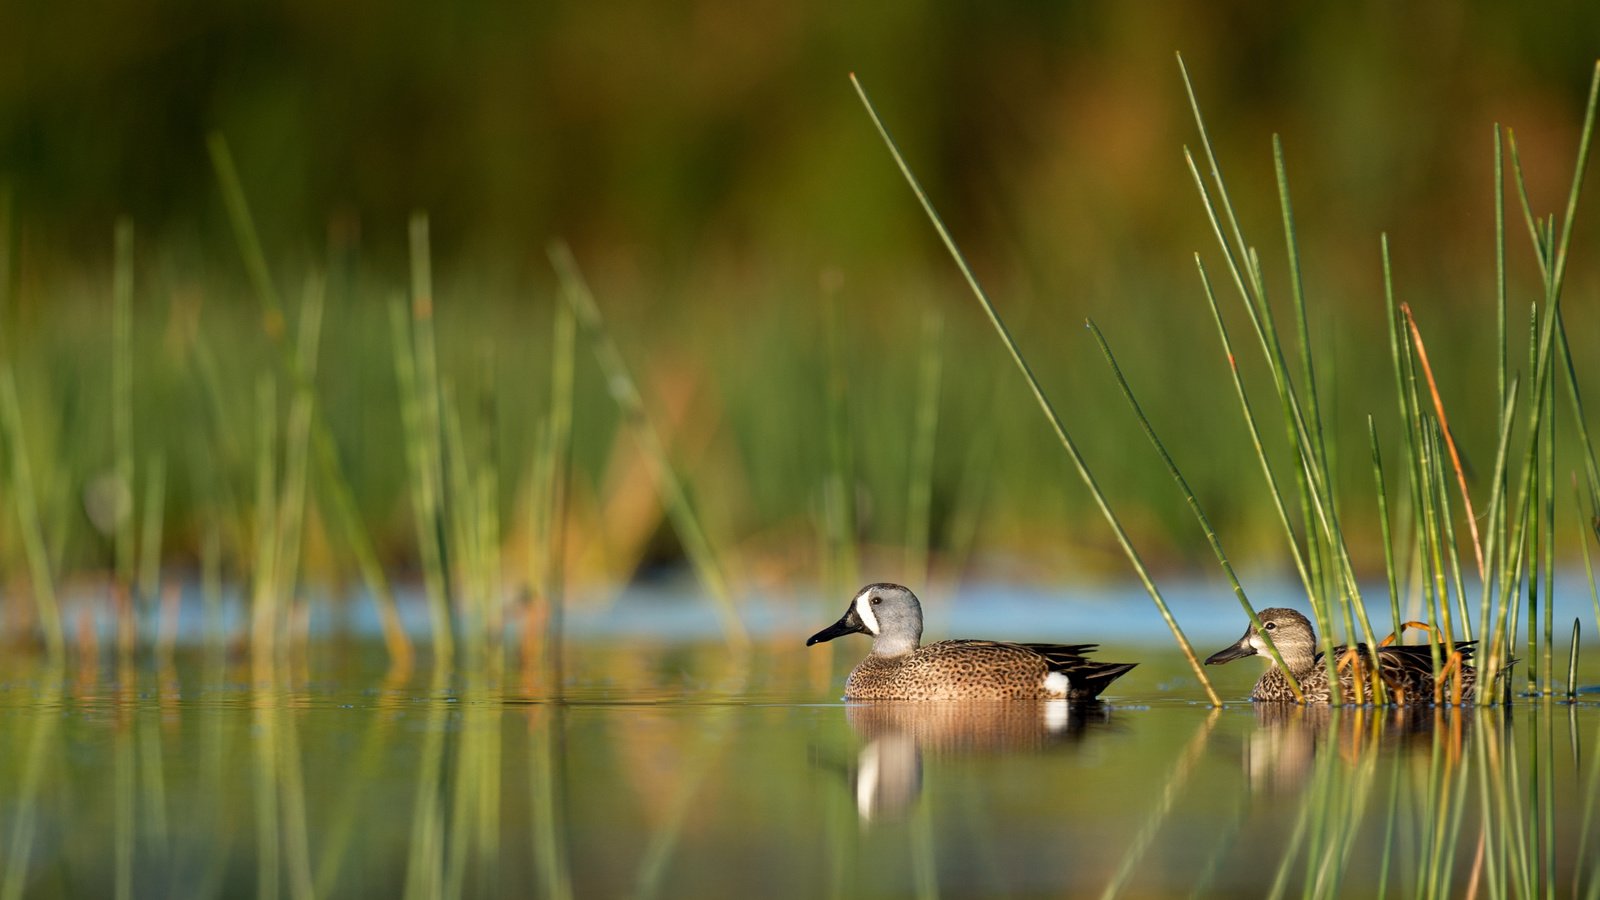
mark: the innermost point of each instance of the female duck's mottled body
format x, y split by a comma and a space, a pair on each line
899, 668
1406, 670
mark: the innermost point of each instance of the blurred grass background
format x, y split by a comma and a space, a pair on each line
715, 177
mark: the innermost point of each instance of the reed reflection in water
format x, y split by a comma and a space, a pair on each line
730, 779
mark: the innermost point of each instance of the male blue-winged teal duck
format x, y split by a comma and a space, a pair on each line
899, 668
1406, 670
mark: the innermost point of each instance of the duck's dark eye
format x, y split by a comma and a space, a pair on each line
876, 600
1271, 625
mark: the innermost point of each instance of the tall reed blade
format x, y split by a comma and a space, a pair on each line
625, 392
925, 430
1194, 507
839, 487
1045, 405
1331, 570
1449, 438
424, 481
264, 593
340, 496
553, 467
1390, 569
122, 402
25, 498
1279, 505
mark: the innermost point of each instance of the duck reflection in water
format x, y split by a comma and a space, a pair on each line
1281, 752
886, 779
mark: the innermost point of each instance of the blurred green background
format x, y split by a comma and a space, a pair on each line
717, 178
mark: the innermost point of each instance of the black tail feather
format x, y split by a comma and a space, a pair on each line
1088, 679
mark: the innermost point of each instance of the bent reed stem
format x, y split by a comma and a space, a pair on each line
1039, 395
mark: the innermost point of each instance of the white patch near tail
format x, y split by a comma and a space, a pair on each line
1056, 684
864, 610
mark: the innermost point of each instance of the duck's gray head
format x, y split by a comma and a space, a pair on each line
888, 612
1291, 634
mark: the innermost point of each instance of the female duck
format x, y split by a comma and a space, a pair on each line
1406, 670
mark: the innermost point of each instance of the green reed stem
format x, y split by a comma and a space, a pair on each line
1389, 830
1038, 393
222, 452
546, 778
1458, 807
1302, 824
674, 495
431, 427
1194, 507
486, 501
292, 805
460, 522
556, 475
1578, 418
1297, 294
1312, 479
424, 861
264, 595
123, 801
1452, 547
1497, 549
1547, 676
341, 497
1433, 576
1547, 787
424, 481
1498, 524
1500, 545
23, 489
1260, 312
42, 750
925, 433
1404, 385
705, 758
1389, 566
297, 439
122, 399
1537, 488
1552, 256
1273, 489
155, 488
839, 497
1591, 793
1182, 767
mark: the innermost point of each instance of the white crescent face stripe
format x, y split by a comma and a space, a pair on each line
864, 610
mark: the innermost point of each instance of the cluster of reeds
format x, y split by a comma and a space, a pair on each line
268, 417
1513, 551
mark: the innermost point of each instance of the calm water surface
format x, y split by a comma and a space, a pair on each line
669, 768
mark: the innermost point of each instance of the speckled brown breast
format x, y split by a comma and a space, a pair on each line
951, 670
